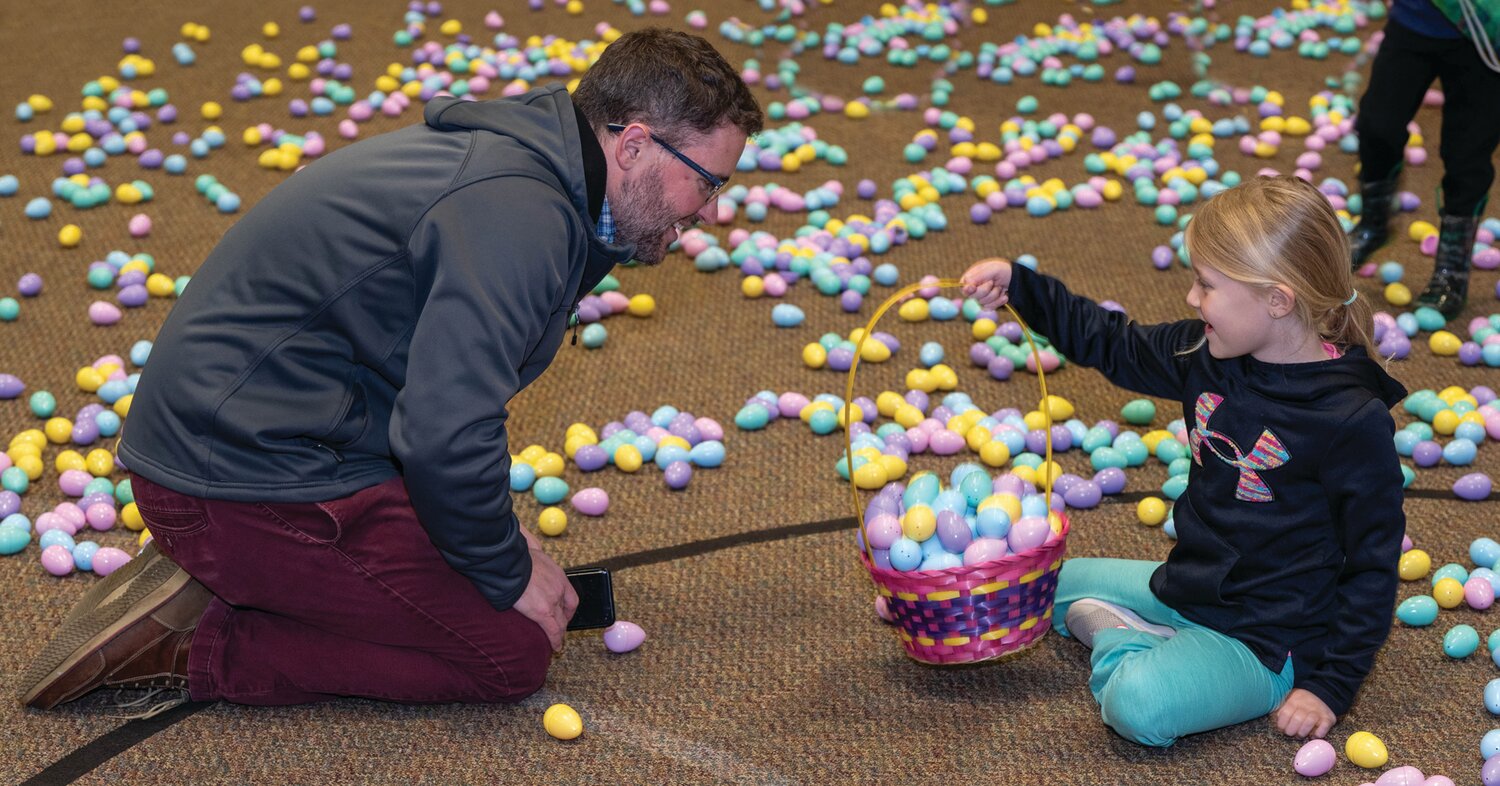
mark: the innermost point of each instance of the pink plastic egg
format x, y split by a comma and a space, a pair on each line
1438, 780
883, 609
882, 530
57, 560
101, 516
73, 481
109, 559
984, 550
623, 636
1479, 593
589, 502
1401, 776
945, 443
140, 225
102, 313
1028, 533
1315, 758
50, 521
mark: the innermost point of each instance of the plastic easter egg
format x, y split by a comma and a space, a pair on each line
1418, 611
1492, 696
1479, 593
1474, 487
1366, 750
1414, 565
905, 554
1151, 511
562, 722
1460, 641
953, 532
57, 560
13, 538
1448, 593
984, 550
550, 491
591, 501
623, 636
1139, 412
108, 559
1401, 776
1315, 758
1028, 532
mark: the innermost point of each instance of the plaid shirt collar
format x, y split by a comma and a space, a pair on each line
605, 227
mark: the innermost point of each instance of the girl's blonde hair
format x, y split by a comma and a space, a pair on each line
1281, 230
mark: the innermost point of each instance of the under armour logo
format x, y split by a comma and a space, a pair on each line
1268, 453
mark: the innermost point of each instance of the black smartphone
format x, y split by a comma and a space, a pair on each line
596, 598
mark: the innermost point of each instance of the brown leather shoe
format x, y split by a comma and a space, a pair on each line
131, 630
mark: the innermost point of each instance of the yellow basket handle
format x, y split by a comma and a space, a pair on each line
945, 283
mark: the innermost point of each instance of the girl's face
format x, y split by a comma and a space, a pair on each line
1237, 316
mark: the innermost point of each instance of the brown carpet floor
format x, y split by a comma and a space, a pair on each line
764, 662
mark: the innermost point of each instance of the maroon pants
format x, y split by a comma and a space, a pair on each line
343, 598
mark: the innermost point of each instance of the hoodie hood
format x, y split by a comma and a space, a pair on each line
1304, 382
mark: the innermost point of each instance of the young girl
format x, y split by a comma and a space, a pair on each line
1279, 590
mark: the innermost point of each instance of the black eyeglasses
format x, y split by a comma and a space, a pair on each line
715, 183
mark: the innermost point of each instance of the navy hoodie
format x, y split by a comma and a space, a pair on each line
373, 315
1290, 529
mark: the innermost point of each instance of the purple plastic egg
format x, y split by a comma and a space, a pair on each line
1315, 758
590, 458
1111, 480
953, 532
678, 474
1401, 776
1084, 495
1028, 532
589, 501
30, 285
57, 560
72, 513
10, 386
944, 442
882, 530
1475, 486
51, 521
108, 559
623, 636
73, 481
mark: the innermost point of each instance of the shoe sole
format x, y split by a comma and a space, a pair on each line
133, 592
1127, 619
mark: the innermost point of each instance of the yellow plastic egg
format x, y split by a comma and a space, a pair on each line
451, 27
70, 236
1419, 230
1397, 293
994, 453
140, 542
270, 30
69, 459
88, 379
852, 412
977, 437
856, 110
1151, 511
251, 136
1448, 592
161, 285
946, 377
1366, 750
211, 110
1025, 473
1414, 565
550, 465
58, 430
888, 402
1058, 407
753, 286
31, 436
641, 306
562, 722
1445, 422
894, 467
983, 329
873, 351
552, 522
122, 405
871, 475
31, 465
908, 416
531, 453
1036, 420
920, 379
100, 462
814, 355
628, 458
39, 103
130, 516
1444, 343
919, 523
915, 310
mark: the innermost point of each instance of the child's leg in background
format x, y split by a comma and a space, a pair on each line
1403, 70
1151, 689
1471, 128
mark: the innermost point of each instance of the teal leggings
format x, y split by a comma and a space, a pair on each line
1151, 689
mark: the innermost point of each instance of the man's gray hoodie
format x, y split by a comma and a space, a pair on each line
373, 316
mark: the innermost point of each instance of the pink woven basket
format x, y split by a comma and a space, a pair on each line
975, 612
970, 613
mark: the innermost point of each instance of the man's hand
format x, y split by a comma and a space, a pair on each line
549, 599
1303, 713
988, 282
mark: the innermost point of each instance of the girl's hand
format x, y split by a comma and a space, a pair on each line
988, 282
1303, 713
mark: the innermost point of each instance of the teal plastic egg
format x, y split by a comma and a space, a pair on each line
1460, 641
1418, 611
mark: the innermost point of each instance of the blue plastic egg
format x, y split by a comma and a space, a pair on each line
56, 537
930, 354
709, 454
1492, 696
522, 475
550, 491
83, 554
906, 554
1489, 744
1452, 570
1460, 452
786, 315
1460, 641
1418, 611
1484, 552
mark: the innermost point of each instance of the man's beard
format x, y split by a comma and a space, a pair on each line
643, 217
